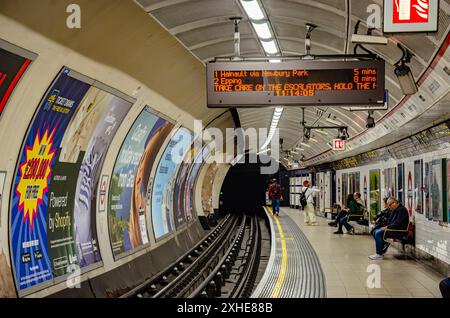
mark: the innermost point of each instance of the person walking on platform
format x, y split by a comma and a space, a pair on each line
398, 221
275, 194
307, 202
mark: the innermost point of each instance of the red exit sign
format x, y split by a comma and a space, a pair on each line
411, 15
338, 144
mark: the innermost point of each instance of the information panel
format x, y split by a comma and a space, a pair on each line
297, 83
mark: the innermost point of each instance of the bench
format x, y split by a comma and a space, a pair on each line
407, 237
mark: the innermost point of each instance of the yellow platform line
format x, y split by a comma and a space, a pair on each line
281, 277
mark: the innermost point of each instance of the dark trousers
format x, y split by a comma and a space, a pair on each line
276, 206
444, 286
343, 222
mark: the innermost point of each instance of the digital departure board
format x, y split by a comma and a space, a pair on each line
296, 83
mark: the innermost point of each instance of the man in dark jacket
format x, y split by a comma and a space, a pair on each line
398, 221
275, 194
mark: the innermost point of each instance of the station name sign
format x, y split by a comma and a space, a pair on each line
295, 83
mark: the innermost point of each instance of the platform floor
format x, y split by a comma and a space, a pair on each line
344, 261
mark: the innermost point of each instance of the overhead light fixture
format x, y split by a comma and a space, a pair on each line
320, 131
369, 39
306, 145
253, 9
295, 152
300, 149
274, 61
273, 125
270, 47
263, 151
332, 121
403, 72
370, 120
262, 30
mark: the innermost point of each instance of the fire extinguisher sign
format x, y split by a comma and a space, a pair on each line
410, 16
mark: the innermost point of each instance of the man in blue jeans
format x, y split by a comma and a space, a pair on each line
399, 220
275, 195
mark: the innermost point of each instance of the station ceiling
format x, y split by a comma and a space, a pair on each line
204, 28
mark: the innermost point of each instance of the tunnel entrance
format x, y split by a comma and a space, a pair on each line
244, 188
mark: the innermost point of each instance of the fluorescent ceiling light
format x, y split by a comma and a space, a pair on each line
306, 145
262, 30
294, 152
321, 132
312, 139
253, 9
275, 61
298, 148
369, 39
335, 122
263, 151
270, 47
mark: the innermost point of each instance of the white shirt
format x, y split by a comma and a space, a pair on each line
310, 193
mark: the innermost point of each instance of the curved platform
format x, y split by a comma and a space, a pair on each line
294, 270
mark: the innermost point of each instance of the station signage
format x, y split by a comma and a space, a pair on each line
295, 83
410, 16
102, 194
338, 144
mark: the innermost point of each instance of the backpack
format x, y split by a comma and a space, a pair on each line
303, 199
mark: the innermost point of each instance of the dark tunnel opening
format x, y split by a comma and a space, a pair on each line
244, 188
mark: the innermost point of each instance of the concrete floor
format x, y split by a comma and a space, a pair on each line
344, 260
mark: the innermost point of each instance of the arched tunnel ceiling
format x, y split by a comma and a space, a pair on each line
203, 26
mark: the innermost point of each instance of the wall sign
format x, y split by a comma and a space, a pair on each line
410, 16
338, 144
296, 83
102, 193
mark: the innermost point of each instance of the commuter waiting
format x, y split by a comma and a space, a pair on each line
382, 218
355, 207
396, 227
343, 212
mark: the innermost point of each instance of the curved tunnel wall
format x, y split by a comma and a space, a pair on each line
96, 51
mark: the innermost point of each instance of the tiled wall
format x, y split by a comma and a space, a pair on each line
432, 238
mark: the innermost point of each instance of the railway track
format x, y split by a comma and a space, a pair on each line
223, 264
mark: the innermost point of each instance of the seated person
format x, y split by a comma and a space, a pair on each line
355, 207
382, 218
398, 220
343, 211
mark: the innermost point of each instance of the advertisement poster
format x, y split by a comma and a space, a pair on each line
7, 288
162, 194
88, 179
418, 188
207, 188
401, 183
192, 178
128, 192
71, 209
448, 190
375, 199
426, 190
29, 246
410, 194
436, 191
179, 211
390, 177
12, 67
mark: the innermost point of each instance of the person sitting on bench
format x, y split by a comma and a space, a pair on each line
355, 207
396, 228
343, 212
